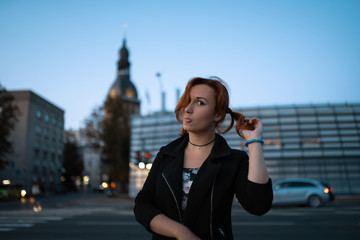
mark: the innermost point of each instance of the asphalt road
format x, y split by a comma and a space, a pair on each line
95, 216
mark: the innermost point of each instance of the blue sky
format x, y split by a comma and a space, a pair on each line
269, 52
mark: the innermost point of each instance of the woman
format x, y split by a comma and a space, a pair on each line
189, 191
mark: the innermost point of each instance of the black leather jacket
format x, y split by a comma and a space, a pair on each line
208, 213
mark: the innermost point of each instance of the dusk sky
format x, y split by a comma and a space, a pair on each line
269, 52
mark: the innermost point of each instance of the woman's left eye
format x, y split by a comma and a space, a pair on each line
200, 103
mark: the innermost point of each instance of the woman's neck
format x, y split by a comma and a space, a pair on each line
198, 149
201, 139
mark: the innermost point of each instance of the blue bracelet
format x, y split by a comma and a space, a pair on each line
254, 140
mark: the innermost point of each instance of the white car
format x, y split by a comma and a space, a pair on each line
300, 191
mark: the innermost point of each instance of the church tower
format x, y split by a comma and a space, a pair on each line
122, 102
123, 86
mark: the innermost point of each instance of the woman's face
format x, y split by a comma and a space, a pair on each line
199, 115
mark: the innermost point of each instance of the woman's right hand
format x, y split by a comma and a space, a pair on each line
165, 226
187, 235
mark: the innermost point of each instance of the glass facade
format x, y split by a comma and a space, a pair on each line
308, 141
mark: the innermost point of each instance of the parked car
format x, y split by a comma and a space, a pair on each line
12, 191
300, 191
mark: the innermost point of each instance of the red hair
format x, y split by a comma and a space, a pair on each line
221, 108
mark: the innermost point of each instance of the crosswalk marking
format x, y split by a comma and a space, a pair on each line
122, 223
260, 223
17, 225
6, 229
10, 220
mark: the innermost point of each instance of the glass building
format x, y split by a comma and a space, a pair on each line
318, 141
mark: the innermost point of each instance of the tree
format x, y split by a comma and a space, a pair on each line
116, 137
73, 162
8, 118
92, 131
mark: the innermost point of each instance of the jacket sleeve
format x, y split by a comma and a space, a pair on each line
255, 198
145, 207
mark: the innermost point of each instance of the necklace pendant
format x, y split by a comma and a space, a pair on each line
199, 148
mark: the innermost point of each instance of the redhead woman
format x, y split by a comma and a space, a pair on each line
189, 191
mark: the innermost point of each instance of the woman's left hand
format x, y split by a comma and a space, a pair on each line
253, 134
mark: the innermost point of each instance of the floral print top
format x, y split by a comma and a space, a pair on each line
189, 175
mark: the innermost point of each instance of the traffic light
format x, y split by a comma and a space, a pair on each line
143, 159
138, 157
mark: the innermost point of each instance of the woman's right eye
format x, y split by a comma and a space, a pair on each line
200, 103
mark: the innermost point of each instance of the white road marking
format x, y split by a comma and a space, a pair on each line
6, 229
263, 223
120, 223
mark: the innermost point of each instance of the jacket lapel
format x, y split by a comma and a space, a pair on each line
200, 190
173, 174
173, 170
203, 182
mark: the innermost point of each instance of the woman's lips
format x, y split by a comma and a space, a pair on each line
187, 120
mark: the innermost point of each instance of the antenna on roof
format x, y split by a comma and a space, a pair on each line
158, 75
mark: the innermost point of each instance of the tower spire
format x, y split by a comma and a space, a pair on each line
125, 25
123, 63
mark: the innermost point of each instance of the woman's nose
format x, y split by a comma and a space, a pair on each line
188, 108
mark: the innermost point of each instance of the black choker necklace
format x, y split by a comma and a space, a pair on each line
201, 145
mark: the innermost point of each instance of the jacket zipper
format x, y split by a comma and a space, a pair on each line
172, 192
222, 232
211, 207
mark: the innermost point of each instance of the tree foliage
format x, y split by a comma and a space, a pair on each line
73, 162
107, 128
8, 118
116, 137
92, 132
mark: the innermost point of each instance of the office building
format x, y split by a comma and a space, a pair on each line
37, 142
319, 141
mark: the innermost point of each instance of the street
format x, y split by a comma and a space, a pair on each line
93, 216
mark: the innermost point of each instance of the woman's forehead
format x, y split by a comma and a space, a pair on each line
202, 91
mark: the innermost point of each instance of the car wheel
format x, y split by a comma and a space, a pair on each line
314, 201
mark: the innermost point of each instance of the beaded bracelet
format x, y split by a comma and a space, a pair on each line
254, 140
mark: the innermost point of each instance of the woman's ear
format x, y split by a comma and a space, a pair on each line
217, 118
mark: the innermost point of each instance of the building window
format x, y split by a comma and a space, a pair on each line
289, 133
35, 170
38, 114
287, 111
325, 110
36, 144
45, 155
343, 109
269, 112
326, 118
46, 134
306, 110
308, 126
54, 121
38, 130
311, 119
46, 117
327, 125
36, 154
287, 120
